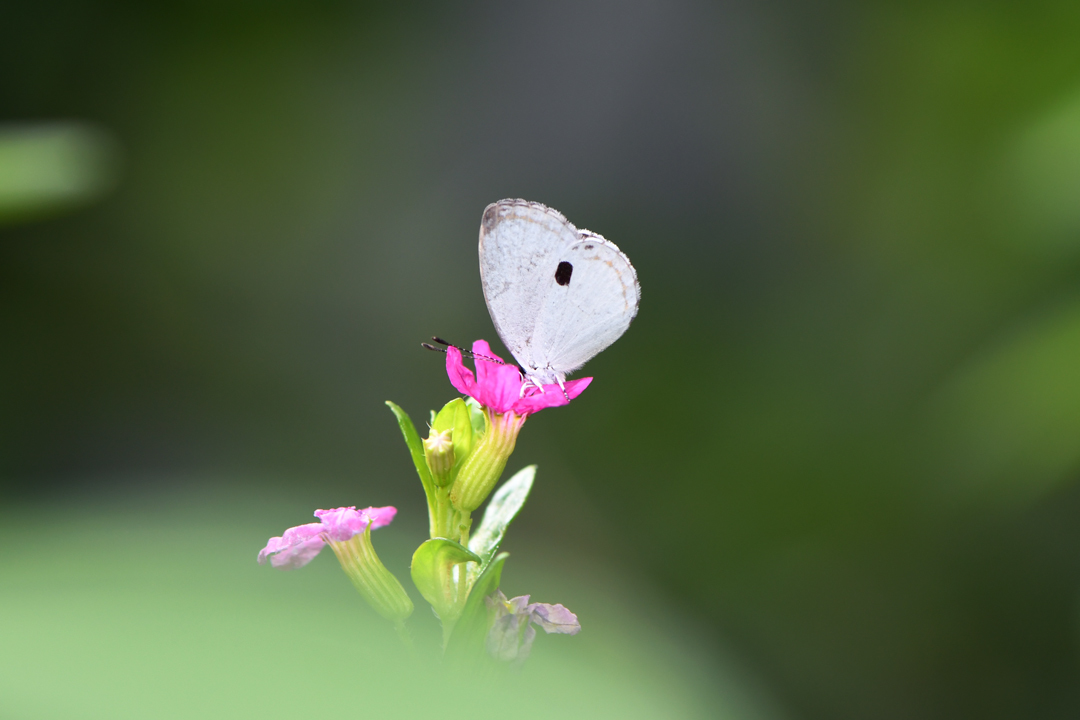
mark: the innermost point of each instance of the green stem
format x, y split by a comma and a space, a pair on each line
442, 520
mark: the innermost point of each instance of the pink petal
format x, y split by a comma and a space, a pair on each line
502, 389
380, 517
299, 555
481, 348
552, 396
340, 524
295, 548
499, 384
461, 377
554, 618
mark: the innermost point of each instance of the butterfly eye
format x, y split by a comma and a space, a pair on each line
563, 273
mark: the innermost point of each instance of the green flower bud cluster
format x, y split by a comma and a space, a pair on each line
459, 463
466, 451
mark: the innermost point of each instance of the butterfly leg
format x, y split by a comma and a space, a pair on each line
528, 382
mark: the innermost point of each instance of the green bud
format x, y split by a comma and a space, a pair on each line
439, 455
376, 584
481, 470
457, 418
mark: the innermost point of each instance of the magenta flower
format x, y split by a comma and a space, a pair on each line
299, 545
511, 636
500, 387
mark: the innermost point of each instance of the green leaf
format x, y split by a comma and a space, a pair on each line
501, 510
455, 416
467, 641
416, 450
431, 565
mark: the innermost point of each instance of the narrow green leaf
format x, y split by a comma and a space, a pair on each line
467, 641
416, 450
431, 564
501, 510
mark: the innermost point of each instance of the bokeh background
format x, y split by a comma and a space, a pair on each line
830, 472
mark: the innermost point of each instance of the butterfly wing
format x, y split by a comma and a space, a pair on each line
520, 242
590, 298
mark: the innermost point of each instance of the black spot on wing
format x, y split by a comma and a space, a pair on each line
563, 273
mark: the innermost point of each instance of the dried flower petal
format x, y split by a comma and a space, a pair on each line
511, 636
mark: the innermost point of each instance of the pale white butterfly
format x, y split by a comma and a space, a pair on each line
557, 295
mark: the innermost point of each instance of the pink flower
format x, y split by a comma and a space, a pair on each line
500, 387
511, 636
299, 545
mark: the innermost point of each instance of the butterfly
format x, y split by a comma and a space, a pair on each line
557, 295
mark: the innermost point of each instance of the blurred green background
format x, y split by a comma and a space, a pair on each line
830, 472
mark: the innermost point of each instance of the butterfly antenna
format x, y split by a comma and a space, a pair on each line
466, 353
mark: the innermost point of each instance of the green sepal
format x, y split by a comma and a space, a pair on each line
431, 572
416, 450
501, 510
456, 416
470, 633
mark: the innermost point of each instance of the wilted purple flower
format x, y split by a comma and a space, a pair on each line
511, 636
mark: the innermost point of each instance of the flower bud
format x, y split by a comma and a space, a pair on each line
439, 455
376, 584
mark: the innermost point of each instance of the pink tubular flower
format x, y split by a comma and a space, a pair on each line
500, 387
299, 545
